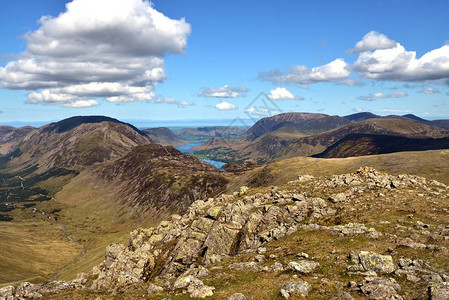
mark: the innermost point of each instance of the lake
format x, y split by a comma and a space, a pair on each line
187, 148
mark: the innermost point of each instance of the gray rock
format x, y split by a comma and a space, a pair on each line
237, 296
7, 293
371, 261
337, 198
301, 288
154, 289
378, 288
303, 266
439, 291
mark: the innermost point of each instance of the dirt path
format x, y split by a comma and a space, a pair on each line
68, 237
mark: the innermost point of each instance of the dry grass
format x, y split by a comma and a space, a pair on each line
430, 164
32, 248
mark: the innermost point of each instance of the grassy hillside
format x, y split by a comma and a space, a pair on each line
432, 164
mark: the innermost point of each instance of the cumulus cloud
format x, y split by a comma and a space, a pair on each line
224, 92
282, 94
372, 40
170, 100
430, 90
225, 106
379, 95
398, 64
379, 58
358, 109
335, 71
96, 49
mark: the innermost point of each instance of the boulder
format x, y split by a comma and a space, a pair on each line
301, 288
337, 198
371, 261
154, 289
303, 266
237, 296
7, 293
379, 288
439, 291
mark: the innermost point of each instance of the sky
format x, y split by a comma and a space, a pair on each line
215, 61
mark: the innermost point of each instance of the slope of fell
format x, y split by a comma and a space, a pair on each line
306, 123
10, 137
76, 143
163, 136
366, 144
358, 235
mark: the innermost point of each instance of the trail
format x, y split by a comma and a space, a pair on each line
69, 238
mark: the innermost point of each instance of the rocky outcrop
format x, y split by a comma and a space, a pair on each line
209, 232
236, 233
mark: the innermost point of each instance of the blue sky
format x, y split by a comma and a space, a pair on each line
221, 57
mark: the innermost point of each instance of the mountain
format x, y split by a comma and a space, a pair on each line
77, 142
10, 137
282, 143
362, 116
415, 118
402, 127
444, 123
305, 123
163, 136
365, 144
201, 134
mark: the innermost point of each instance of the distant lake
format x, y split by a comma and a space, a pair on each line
187, 148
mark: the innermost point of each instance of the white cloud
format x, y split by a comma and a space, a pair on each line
379, 95
170, 100
398, 64
335, 71
96, 48
358, 109
224, 92
225, 106
282, 94
352, 82
398, 94
371, 41
81, 104
430, 90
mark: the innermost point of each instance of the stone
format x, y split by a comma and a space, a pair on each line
213, 212
201, 291
154, 289
301, 288
371, 261
182, 282
277, 267
379, 288
243, 190
303, 266
7, 292
259, 258
439, 291
27, 290
337, 198
220, 240
237, 296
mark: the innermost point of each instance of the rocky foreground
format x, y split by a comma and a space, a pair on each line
353, 236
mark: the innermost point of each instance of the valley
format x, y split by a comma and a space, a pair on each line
76, 196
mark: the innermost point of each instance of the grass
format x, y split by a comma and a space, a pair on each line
430, 164
32, 248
